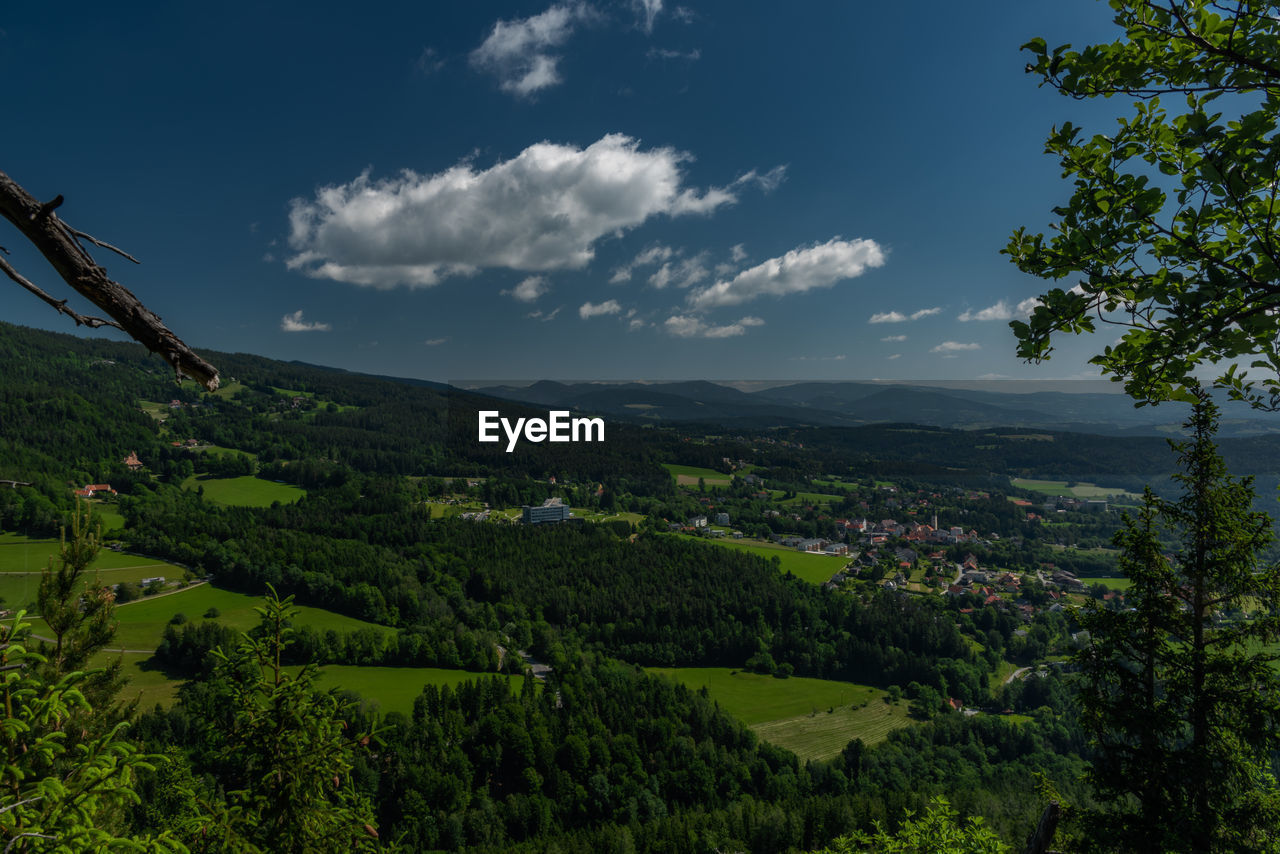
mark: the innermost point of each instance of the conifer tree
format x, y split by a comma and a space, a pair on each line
1179, 693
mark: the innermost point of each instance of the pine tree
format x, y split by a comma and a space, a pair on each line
1178, 693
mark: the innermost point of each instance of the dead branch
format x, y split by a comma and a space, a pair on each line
61, 247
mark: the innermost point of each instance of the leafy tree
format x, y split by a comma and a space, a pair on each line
60, 798
935, 832
1181, 702
1171, 229
283, 753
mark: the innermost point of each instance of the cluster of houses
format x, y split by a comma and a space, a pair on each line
92, 489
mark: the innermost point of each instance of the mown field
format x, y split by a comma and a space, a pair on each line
814, 718
689, 475
813, 568
22, 560
1079, 490
246, 491
393, 689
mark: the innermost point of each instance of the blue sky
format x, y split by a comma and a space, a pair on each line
573, 190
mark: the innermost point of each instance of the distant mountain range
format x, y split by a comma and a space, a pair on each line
860, 403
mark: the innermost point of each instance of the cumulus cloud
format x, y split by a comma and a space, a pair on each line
899, 317
530, 289
1029, 305
955, 347
800, 270
518, 52
999, 311
295, 323
688, 326
892, 338
542, 210
589, 309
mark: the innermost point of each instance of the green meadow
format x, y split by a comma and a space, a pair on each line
22, 560
246, 491
142, 622
689, 475
814, 718
393, 689
813, 568
1059, 487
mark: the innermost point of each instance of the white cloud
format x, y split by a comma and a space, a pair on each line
1028, 305
648, 11
954, 347
800, 270
435, 342
653, 255
666, 53
589, 310
899, 317
637, 323
517, 51
768, 182
530, 289
429, 61
894, 356
688, 326
737, 252
682, 274
544, 316
295, 323
839, 358
892, 338
544, 209
999, 311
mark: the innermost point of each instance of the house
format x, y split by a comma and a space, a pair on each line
722, 518
815, 544
132, 461
698, 522
93, 489
836, 549
906, 557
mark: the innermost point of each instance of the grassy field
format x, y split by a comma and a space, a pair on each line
142, 622
244, 491
813, 568
688, 475
793, 713
22, 560
1113, 583
393, 689
1059, 487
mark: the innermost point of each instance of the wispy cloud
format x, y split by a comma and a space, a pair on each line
544, 316
647, 11
955, 347
894, 338
689, 326
800, 270
518, 52
295, 323
692, 55
435, 342
768, 182
542, 210
899, 317
589, 310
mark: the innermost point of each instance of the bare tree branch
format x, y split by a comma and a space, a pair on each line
59, 243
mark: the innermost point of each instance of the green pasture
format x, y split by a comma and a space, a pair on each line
1113, 583
792, 713
1059, 487
23, 560
142, 622
813, 568
245, 491
393, 689
689, 475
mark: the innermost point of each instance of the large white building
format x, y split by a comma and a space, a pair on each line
551, 510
